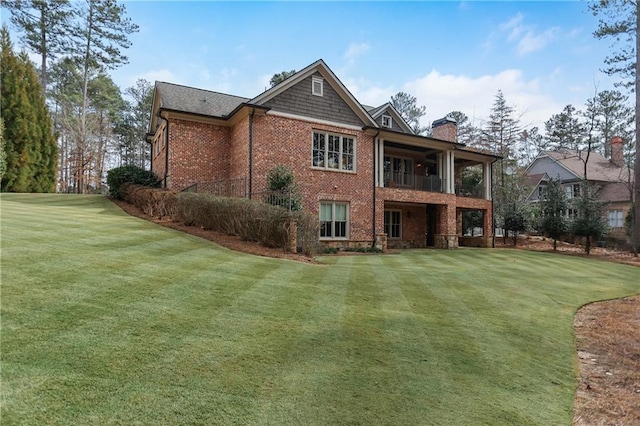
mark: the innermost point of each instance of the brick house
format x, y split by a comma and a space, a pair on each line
611, 176
362, 170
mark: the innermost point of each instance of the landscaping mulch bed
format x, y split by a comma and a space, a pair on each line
607, 333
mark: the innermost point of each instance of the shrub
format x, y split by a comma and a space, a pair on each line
250, 220
131, 174
282, 189
155, 202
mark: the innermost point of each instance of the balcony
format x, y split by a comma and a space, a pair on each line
431, 183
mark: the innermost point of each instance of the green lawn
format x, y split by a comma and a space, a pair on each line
108, 319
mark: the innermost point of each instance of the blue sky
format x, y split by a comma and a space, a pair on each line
450, 55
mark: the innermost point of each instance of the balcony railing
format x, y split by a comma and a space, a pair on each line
431, 183
470, 191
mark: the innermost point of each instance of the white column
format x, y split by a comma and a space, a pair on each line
449, 172
380, 162
486, 168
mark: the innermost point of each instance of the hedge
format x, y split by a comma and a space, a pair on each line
250, 220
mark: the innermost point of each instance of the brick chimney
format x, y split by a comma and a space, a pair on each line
446, 129
616, 151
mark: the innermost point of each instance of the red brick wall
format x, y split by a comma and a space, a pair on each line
198, 152
279, 140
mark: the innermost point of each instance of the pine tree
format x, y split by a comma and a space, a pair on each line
44, 26
98, 42
29, 142
408, 108
564, 130
589, 222
3, 153
553, 206
17, 115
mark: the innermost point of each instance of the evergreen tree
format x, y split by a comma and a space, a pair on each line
29, 142
132, 125
589, 222
408, 108
101, 35
500, 136
564, 130
553, 206
282, 189
44, 26
3, 154
280, 77
619, 20
467, 132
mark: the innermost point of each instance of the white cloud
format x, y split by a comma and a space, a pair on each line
514, 26
526, 37
355, 50
444, 93
531, 41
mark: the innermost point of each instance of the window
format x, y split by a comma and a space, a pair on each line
616, 219
317, 84
386, 121
333, 152
573, 190
393, 223
541, 191
333, 220
398, 170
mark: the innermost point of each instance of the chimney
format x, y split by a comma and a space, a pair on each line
446, 129
616, 151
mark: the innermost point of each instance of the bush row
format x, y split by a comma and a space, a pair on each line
248, 219
155, 202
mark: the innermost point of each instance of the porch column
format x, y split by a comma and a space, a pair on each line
446, 236
452, 171
486, 179
448, 169
379, 162
487, 227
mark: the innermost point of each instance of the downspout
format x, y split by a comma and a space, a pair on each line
375, 188
166, 152
253, 111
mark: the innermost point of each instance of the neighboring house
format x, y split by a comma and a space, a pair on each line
360, 169
611, 176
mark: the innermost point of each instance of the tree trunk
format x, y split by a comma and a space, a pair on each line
587, 244
555, 244
635, 231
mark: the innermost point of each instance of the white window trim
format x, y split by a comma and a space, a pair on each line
400, 224
333, 215
320, 81
618, 219
326, 149
389, 124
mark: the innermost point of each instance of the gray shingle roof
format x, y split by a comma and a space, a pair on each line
197, 101
598, 167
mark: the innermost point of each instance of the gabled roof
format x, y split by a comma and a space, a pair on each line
599, 168
535, 180
322, 68
388, 108
196, 101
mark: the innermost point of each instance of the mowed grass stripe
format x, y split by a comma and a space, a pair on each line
132, 323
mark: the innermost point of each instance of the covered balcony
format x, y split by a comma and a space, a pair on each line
407, 167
